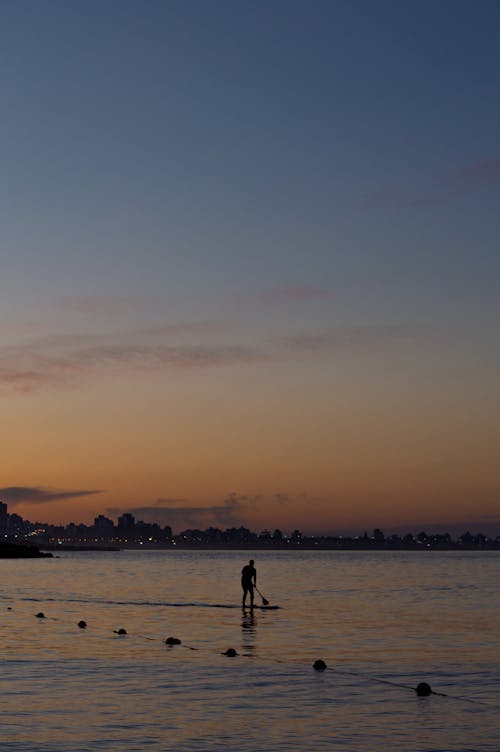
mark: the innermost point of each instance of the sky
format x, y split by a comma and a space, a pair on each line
250, 261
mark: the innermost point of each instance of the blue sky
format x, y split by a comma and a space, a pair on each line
317, 136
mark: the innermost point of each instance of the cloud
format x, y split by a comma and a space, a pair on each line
13, 495
155, 356
104, 304
352, 336
230, 513
281, 498
300, 293
109, 305
193, 327
22, 380
484, 171
235, 510
67, 359
280, 295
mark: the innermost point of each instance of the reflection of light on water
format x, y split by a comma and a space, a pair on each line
92, 689
248, 631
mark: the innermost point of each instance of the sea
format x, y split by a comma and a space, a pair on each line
382, 622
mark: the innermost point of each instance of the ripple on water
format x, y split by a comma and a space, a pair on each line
69, 689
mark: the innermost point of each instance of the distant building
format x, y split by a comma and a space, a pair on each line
4, 518
17, 526
126, 522
104, 527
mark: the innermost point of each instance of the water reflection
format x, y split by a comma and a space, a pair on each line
248, 630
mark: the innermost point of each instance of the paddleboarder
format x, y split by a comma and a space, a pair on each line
248, 581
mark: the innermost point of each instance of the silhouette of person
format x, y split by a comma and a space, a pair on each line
248, 581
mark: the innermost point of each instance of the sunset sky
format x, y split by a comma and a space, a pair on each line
250, 262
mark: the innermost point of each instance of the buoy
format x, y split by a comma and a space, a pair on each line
230, 652
82, 624
423, 689
172, 641
319, 665
120, 631
40, 615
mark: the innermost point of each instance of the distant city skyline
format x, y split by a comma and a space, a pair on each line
129, 531
249, 262
203, 518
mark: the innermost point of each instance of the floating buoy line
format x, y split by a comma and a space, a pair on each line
423, 689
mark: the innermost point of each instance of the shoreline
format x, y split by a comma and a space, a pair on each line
22, 551
265, 547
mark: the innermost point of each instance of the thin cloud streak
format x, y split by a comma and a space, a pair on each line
27, 369
301, 293
64, 360
356, 336
105, 304
14, 495
78, 339
152, 357
483, 172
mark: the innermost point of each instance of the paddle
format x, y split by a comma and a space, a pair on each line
265, 602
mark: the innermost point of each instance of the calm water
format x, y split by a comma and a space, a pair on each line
379, 620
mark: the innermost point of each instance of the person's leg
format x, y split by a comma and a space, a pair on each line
251, 596
245, 591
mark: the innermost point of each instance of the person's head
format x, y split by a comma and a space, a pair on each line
251, 562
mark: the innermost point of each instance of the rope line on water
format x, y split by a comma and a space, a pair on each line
422, 690
413, 689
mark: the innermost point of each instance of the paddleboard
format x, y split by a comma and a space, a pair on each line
262, 608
